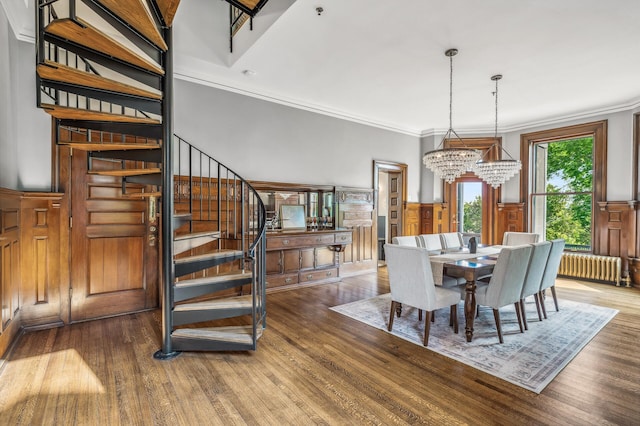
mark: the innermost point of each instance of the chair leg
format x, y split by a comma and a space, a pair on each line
524, 314
555, 298
496, 315
393, 311
454, 317
451, 317
519, 315
544, 309
427, 326
419, 314
433, 317
537, 298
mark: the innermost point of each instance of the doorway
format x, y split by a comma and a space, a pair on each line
466, 189
390, 186
113, 248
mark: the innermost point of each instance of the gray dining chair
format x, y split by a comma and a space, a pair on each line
519, 238
452, 240
505, 285
551, 273
411, 283
409, 241
431, 242
533, 279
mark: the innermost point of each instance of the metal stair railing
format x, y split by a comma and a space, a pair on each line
218, 199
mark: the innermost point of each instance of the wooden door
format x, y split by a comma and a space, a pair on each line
395, 204
114, 249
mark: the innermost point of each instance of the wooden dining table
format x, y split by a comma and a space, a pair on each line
470, 266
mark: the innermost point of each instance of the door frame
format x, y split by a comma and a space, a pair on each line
390, 166
490, 196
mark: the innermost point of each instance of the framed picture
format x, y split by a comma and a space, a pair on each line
292, 216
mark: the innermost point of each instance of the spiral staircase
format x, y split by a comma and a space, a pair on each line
104, 72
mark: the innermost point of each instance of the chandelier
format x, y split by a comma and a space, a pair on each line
496, 172
451, 163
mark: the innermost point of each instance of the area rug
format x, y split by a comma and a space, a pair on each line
530, 359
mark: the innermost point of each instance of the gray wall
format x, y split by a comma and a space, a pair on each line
8, 147
25, 132
261, 140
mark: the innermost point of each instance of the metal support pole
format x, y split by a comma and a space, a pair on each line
168, 270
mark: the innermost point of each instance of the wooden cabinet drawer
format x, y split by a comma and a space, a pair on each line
343, 238
323, 274
283, 242
280, 280
274, 262
325, 257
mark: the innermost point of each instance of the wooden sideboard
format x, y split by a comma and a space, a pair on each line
297, 258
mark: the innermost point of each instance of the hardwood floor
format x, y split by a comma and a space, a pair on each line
312, 366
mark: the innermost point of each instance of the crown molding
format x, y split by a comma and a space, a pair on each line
297, 104
20, 17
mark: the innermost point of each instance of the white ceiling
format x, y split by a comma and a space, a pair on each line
382, 62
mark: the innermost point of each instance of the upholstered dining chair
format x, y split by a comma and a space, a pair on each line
505, 285
519, 238
409, 241
451, 240
431, 242
551, 273
411, 283
533, 279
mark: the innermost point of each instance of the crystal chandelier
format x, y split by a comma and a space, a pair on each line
451, 163
496, 172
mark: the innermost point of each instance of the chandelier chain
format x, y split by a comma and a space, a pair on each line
450, 92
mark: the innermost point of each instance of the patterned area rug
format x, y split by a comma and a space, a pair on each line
530, 359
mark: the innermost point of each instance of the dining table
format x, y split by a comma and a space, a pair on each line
470, 266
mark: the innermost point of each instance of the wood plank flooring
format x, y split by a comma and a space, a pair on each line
312, 366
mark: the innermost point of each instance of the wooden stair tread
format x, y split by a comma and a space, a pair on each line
215, 234
142, 194
134, 13
236, 334
83, 146
214, 279
187, 242
168, 10
92, 38
214, 255
62, 73
125, 172
237, 302
66, 113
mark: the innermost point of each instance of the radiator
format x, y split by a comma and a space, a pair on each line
591, 267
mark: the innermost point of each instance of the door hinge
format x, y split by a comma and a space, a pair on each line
70, 221
70, 293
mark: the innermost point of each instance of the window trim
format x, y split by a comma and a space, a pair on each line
596, 129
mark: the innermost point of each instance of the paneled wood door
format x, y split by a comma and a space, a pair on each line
114, 249
395, 204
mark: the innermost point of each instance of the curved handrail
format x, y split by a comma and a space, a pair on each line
180, 167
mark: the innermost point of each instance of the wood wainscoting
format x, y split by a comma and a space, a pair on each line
617, 231
510, 218
434, 218
30, 258
411, 219
9, 267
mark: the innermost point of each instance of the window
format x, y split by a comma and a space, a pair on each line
470, 207
562, 191
564, 171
